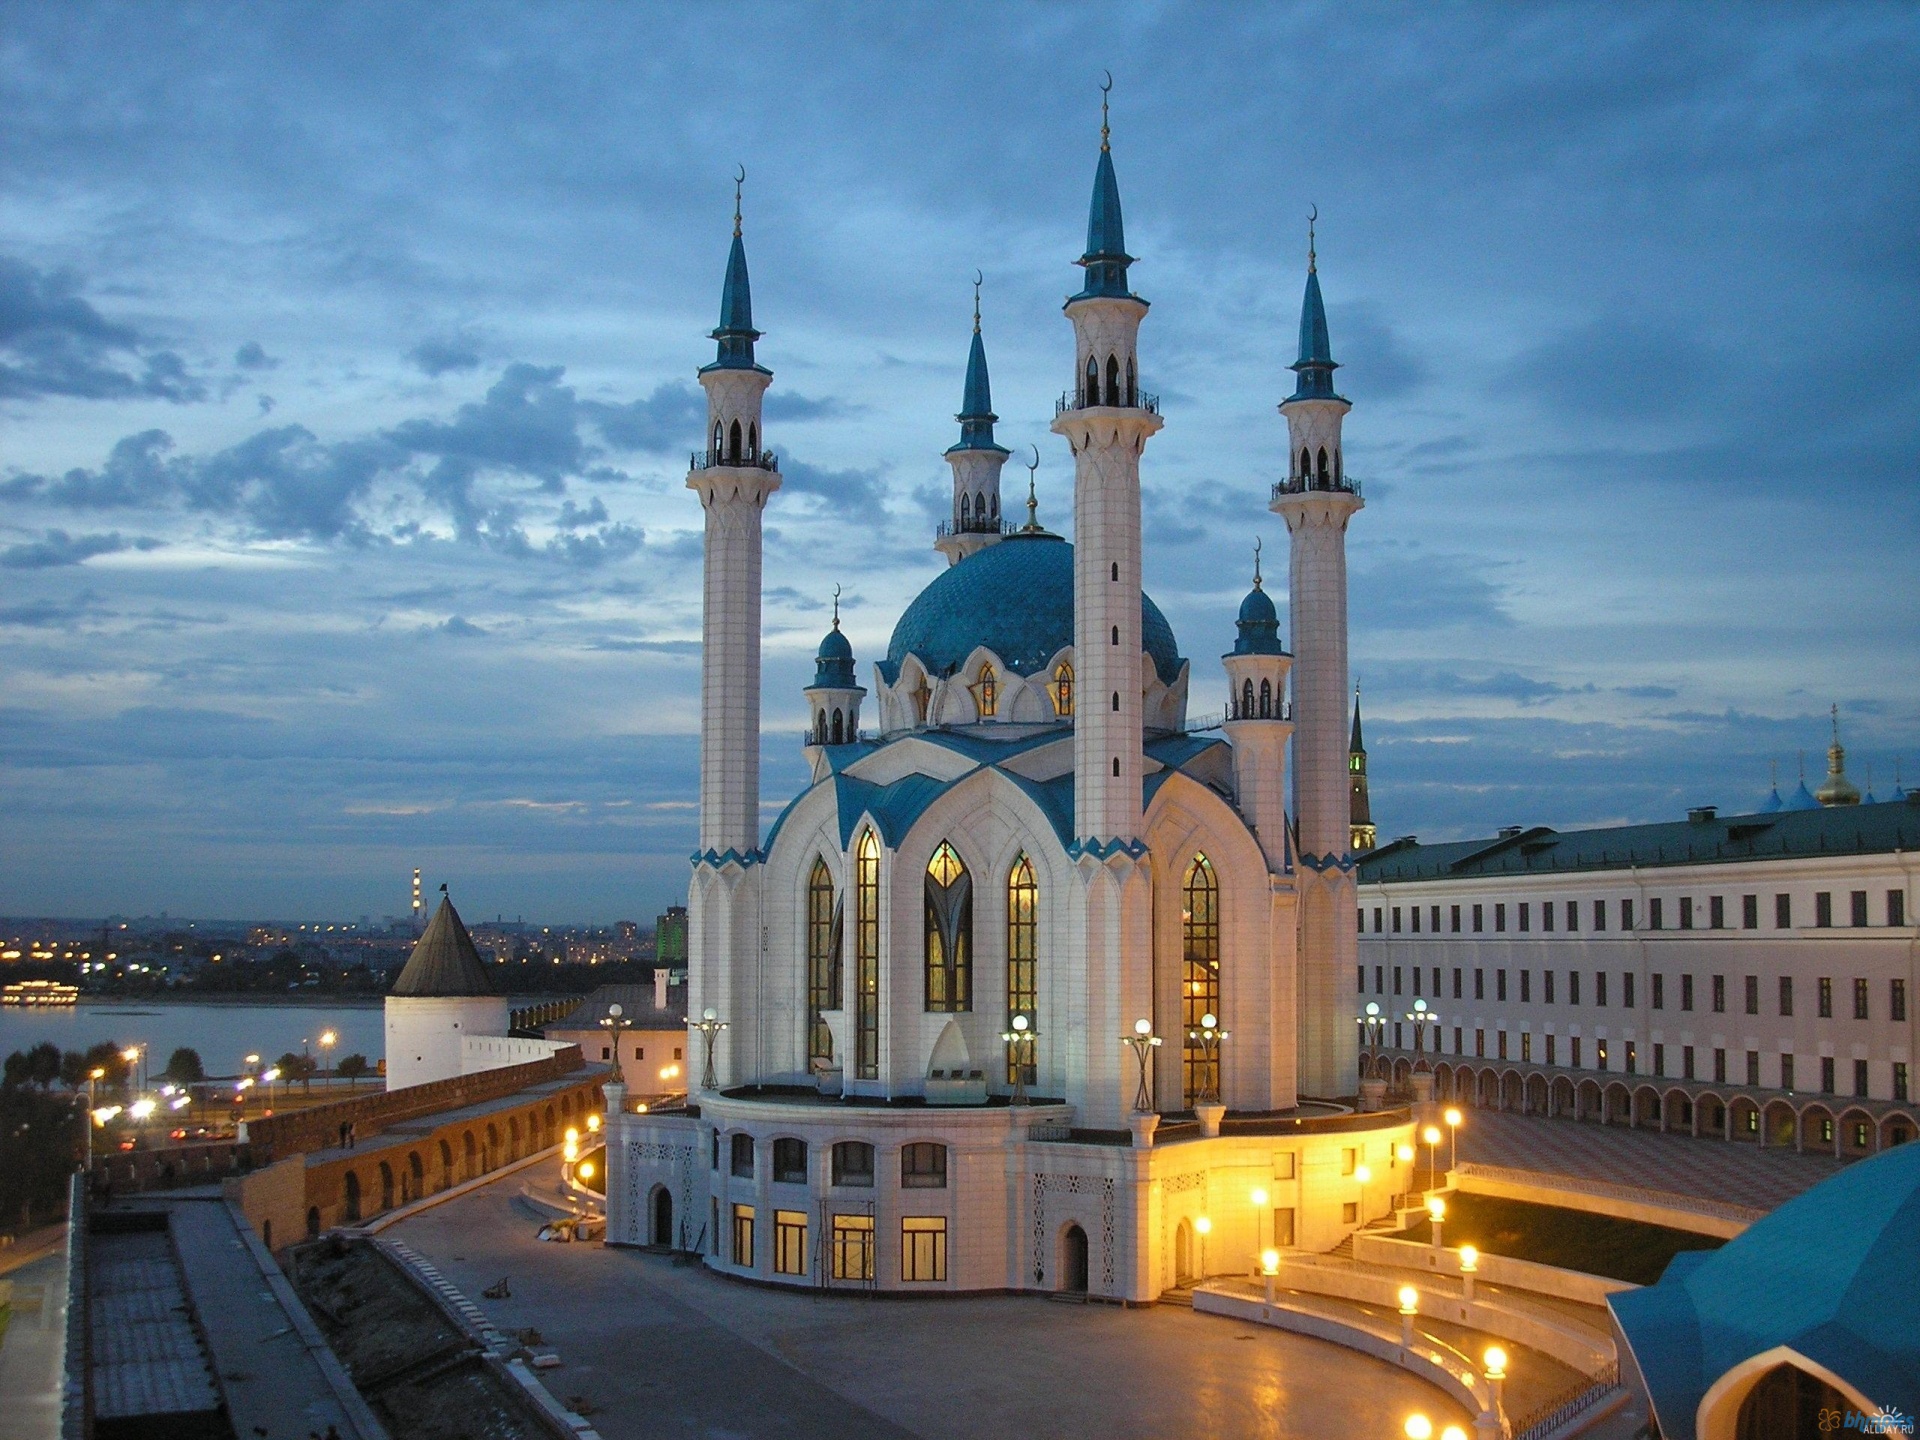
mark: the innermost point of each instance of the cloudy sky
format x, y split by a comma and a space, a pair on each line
346, 360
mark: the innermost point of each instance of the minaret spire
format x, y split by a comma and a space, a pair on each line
735, 333
976, 457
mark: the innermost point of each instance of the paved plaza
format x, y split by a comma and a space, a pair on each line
658, 1350
1734, 1172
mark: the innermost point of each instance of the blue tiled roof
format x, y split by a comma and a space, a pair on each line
1106, 259
1834, 1274
1843, 830
1316, 364
1801, 800
1258, 626
976, 415
1015, 598
833, 665
735, 331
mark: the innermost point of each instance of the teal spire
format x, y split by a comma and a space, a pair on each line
976, 415
736, 333
1316, 364
1106, 259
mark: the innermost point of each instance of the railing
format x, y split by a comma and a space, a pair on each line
1546, 1419
973, 527
810, 737
1278, 710
1078, 400
1304, 484
734, 460
1606, 1189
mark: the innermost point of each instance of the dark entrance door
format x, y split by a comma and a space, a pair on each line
1073, 1260
662, 1217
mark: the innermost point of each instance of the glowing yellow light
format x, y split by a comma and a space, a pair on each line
1259, 1196
573, 1135
571, 1151
584, 1170
1453, 1117
1469, 1258
641, 1108
1362, 1173
1431, 1134
1409, 1300
1419, 1428
140, 1109
1203, 1225
327, 1037
1453, 1432
1496, 1359
96, 1074
1437, 1208
1405, 1152
1270, 1261
130, 1054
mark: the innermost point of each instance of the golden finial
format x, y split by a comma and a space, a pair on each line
1313, 216
1833, 713
1256, 562
978, 280
738, 181
836, 607
1105, 90
1033, 505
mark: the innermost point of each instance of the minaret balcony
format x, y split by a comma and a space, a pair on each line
1082, 400
988, 526
734, 460
1305, 484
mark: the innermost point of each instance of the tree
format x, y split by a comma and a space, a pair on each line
184, 1067
44, 1062
106, 1057
73, 1070
298, 1067
353, 1067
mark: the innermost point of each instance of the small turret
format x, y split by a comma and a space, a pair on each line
1361, 820
1260, 719
1837, 789
976, 459
835, 695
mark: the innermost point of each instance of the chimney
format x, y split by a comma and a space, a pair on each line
660, 987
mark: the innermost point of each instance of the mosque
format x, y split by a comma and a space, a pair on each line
1036, 985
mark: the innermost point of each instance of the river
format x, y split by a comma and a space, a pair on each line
224, 1033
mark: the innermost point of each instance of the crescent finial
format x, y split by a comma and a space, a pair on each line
836, 606
1313, 218
978, 281
1105, 90
1033, 505
739, 179
1256, 562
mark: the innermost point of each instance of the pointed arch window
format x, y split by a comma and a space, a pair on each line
1062, 690
1113, 380
966, 510
949, 932
1132, 391
1266, 699
866, 958
1323, 467
1091, 394
1023, 959
1306, 465
823, 959
753, 439
718, 452
838, 732
1200, 977
986, 692
1246, 699
733, 441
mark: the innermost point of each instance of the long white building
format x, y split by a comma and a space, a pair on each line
1749, 976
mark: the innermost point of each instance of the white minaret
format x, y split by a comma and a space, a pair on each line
1316, 500
976, 460
1106, 421
733, 477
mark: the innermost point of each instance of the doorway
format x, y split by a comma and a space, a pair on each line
1073, 1260
1183, 1254
662, 1216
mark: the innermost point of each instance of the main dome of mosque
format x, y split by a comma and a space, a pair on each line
1016, 599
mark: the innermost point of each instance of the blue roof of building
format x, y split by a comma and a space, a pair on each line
1834, 1275
1787, 834
1015, 598
833, 664
976, 415
735, 331
1316, 364
1106, 259
1801, 800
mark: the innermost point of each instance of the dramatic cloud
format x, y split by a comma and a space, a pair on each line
54, 342
58, 548
440, 355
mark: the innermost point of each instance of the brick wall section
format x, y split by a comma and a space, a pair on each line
300, 1132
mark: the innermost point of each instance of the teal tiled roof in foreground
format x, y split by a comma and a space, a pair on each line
1833, 1275
1781, 835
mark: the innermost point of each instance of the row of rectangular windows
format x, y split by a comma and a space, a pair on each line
1657, 990
923, 1244
1656, 914
1576, 1059
923, 1165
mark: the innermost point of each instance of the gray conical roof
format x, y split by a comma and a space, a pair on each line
444, 962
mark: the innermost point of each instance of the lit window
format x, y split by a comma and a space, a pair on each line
923, 1247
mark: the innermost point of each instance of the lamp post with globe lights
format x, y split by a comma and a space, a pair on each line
1453, 1117
1270, 1269
1209, 1035
1436, 1212
1496, 1376
1431, 1137
1143, 1042
1203, 1227
1363, 1173
1019, 1038
614, 1021
709, 1026
1469, 1267
1409, 1308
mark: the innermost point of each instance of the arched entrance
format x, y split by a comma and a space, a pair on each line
353, 1197
1183, 1254
662, 1216
386, 1186
1785, 1404
1073, 1260
313, 1222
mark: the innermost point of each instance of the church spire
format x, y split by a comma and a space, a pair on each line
976, 415
1360, 819
1106, 259
736, 333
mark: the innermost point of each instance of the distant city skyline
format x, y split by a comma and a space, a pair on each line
346, 380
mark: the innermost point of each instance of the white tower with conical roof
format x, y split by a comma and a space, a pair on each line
733, 477
1106, 420
1317, 499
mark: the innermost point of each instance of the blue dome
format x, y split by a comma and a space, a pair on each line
1015, 598
833, 665
1259, 626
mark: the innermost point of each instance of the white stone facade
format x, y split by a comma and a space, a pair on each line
426, 1035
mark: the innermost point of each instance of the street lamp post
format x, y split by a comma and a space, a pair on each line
1259, 1200
1469, 1267
615, 1021
1203, 1227
1453, 1118
1431, 1135
1409, 1308
1143, 1042
1363, 1173
1209, 1035
1019, 1038
1436, 1212
709, 1026
1496, 1375
1270, 1269
328, 1039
